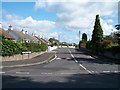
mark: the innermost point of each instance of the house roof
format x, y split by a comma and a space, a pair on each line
6, 34
42, 40
19, 34
22, 36
32, 38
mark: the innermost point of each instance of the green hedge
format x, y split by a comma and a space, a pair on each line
9, 48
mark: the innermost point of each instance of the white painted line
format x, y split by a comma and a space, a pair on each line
116, 71
67, 58
67, 73
22, 73
58, 58
47, 73
2, 72
77, 62
106, 71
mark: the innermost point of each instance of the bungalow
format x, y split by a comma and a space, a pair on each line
6, 34
22, 35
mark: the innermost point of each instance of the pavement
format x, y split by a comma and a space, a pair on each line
43, 58
70, 69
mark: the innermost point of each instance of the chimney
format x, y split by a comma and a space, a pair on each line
22, 31
26, 32
33, 34
10, 28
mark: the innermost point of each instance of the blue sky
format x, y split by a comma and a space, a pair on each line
50, 19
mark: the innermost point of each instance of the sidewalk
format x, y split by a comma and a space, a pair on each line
44, 58
100, 57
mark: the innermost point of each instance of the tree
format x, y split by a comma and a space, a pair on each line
118, 32
97, 36
84, 37
54, 41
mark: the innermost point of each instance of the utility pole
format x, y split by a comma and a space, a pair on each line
58, 40
79, 36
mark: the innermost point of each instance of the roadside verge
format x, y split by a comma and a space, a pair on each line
41, 59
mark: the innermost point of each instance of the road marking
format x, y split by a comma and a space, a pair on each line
106, 71
67, 73
77, 62
2, 72
67, 58
21, 72
58, 58
117, 71
47, 73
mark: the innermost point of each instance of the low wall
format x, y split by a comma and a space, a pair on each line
52, 48
25, 56
21, 57
110, 55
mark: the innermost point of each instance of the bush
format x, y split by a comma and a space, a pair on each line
113, 49
107, 43
33, 47
43, 46
9, 48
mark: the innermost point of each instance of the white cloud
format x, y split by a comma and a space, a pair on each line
29, 24
80, 15
106, 27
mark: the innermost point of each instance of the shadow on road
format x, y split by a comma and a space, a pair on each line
102, 58
110, 80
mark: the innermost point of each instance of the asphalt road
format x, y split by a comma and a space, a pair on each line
71, 69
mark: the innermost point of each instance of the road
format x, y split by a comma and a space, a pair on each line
71, 69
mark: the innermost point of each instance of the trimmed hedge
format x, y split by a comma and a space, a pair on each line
9, 48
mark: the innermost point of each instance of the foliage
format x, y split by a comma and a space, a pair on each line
97, 36
117, 27
10, 48
89, 45
54, 41
113, 49
43, 46
107, 43
84, 37
109, 37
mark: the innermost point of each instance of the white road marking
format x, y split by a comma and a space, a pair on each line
67, 58
2, 72
58, 58
117, 71
106, 71
67, 73
77, 62
20, 72
47, 73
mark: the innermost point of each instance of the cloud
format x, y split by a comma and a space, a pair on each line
29, 24
106, 27
80, 15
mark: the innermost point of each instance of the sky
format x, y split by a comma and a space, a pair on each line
59, 18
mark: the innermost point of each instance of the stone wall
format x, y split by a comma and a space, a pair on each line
21, 57
25, 56
110, 55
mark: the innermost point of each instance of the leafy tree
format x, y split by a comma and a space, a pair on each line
84, 37
118, 33
97, 36
54, 41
